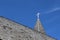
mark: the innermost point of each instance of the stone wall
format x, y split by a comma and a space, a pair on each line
10, 30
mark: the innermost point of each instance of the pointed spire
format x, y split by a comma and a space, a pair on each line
38, 26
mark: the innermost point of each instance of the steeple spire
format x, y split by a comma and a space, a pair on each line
38, 26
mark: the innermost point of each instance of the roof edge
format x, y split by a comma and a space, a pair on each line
15, 22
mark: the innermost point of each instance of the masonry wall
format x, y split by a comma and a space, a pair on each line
10, 30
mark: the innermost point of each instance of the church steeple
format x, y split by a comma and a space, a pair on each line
38, 26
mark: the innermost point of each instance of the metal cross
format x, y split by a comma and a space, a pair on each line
38, 14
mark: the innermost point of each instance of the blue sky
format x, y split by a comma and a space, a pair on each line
24, 12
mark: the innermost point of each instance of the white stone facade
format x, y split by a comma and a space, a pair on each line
10, 30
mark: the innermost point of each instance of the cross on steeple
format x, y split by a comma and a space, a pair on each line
38, 14
38, 26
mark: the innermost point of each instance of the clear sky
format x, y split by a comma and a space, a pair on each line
24, 12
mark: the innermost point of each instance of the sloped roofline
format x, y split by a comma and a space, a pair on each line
51, 36
23, 25
16, 22
48, 35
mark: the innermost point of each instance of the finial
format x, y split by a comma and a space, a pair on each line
38, 14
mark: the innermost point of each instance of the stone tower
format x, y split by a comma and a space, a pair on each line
11, 30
